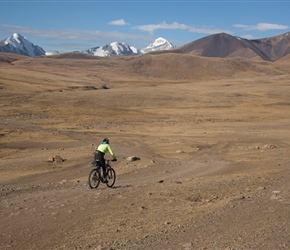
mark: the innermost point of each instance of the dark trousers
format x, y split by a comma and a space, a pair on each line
99, 156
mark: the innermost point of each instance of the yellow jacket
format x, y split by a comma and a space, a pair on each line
104, 148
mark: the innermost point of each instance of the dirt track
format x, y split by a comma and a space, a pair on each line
214, 168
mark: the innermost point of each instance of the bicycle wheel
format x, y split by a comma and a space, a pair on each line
111, 177
94, 179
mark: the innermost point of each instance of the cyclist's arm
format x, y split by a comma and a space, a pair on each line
111, 152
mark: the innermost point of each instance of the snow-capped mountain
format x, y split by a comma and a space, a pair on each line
117, 48
112, 49
159, 44
18, 44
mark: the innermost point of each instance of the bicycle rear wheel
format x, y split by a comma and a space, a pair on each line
111, 177
94, 179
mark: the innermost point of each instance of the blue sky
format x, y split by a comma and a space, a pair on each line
64, 25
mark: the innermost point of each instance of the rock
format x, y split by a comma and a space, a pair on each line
142, 208
179, 151
55, 158
188, 245
58, 159
269, 146
240, 197
133, 158
50, 159
106, 86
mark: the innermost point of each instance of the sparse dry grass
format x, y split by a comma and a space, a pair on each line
219, 113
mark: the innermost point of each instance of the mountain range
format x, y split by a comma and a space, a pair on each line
117, 48
220, 45
19, 44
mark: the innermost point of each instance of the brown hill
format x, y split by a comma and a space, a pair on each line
219, 45
10, 57
275, 47
178, 66
284, 58
170, 66
227, 46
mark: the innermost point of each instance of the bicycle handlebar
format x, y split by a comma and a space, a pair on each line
108, 161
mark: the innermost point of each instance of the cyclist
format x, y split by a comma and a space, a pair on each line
100, 152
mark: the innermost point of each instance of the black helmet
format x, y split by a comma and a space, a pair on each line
106, 141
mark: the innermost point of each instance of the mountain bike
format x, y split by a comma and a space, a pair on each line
96, 175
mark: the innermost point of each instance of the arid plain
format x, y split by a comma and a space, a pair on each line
212, 136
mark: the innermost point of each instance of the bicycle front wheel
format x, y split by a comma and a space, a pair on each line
111, 177
94, 179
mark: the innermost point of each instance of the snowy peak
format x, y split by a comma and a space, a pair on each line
20, 45
159, 44
112, 49
15, 39
120, 48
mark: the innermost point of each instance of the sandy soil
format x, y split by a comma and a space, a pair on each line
214, 154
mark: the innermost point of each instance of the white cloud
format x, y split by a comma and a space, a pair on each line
71, 34
151, 28
120, 22
262, 26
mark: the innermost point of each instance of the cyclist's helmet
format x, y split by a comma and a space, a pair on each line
105, 141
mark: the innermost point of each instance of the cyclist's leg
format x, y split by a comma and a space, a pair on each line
104, 172
103, 164
100, 157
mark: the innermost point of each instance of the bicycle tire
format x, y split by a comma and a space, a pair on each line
94, 180
111, 177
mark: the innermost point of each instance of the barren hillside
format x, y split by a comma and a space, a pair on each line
226, 46
173, 66
212, 136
